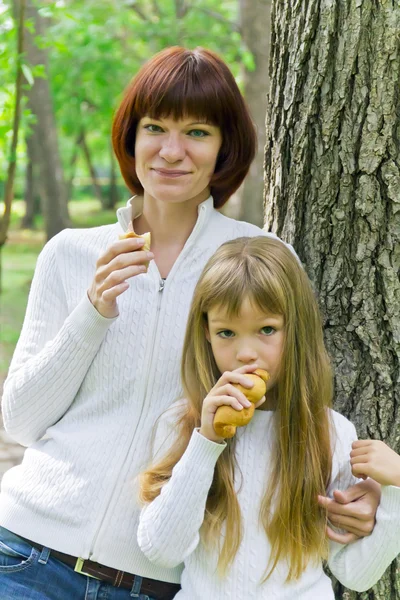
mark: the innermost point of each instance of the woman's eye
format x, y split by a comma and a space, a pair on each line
198, 133
268, 330
153, 128
225, 334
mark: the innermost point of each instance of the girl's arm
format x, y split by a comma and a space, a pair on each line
169, 526
361, 564
53, 354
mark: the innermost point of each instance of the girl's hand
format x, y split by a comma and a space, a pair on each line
224, 393
373, 458
122, 260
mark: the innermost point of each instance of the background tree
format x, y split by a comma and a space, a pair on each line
332, 190
12, 160
255, 29
44, 143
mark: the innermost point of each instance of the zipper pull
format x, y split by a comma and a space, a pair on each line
162, 284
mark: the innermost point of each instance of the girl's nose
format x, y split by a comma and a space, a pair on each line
246, 354
172, 149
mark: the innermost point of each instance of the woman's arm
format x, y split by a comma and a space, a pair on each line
169, 526
53, 354
360, 565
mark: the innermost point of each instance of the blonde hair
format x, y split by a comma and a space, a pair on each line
264, 270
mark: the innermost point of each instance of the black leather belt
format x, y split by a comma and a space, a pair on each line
161, 590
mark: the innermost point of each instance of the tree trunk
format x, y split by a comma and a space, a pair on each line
255, 26
12, 161
32, 185
72, 164
55, 208
92, 170
332, 190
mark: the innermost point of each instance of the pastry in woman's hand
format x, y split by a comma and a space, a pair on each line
145, 236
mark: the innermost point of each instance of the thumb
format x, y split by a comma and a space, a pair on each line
349, 495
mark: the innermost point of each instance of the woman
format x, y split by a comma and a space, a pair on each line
98, 357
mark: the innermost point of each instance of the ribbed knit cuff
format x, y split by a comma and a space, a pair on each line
390, 503
201, 452
88, 322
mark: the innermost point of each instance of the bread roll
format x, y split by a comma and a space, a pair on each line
227, 418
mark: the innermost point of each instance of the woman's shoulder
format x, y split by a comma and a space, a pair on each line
231, 229
70, 240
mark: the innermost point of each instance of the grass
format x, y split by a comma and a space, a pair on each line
19, 257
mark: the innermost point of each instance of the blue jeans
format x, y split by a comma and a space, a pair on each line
28, 574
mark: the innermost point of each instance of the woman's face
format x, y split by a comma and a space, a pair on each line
175, 160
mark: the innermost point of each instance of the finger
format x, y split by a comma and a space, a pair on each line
360, 452
355, 492
359, 458
119, 247
117, 277
362, 470
230, 377
129, 258
351, 524
113, 293
227, 401
260, 402
341, 538
361, 444
336, 508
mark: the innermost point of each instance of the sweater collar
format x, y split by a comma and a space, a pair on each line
134, 207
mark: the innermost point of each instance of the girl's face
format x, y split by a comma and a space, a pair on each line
175, 160
253, 337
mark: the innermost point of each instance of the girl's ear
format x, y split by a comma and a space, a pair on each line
207, 332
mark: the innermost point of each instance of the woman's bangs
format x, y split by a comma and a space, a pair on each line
184, 95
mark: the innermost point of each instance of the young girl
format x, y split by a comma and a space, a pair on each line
242, 514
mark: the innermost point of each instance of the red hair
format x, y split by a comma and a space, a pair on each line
181, 83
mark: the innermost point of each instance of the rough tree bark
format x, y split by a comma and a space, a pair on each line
54, 203
255, 23
332, 190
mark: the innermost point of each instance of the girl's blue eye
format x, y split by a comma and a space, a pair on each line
268, 330
153, 128
225, 334
198, 133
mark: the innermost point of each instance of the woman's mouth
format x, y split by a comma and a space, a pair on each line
172, 173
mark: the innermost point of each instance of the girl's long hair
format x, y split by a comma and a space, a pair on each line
264, 270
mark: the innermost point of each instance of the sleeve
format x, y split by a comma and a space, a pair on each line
169, 526
361, 564
53, 353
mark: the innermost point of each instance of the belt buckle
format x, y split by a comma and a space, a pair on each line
78, 568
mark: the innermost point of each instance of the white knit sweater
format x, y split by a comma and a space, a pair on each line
84, 392
169, 527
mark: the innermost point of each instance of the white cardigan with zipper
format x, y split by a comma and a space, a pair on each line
84, 392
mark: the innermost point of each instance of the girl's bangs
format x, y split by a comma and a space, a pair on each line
232, 284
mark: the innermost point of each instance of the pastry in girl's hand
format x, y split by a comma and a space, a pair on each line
145, 236
227, 418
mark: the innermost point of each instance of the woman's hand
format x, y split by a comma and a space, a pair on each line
373, 458
225, 393
122, 260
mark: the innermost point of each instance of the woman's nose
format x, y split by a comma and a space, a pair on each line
172, 149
